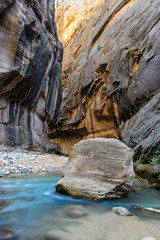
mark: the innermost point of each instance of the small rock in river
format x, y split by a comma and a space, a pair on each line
76, 211
121, 211
7, 235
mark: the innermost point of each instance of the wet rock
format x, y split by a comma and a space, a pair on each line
98, 169
76, 211
59, 235
121, 211
1, 174
7, 235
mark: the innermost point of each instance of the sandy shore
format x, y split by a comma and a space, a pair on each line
24, 162
110, 226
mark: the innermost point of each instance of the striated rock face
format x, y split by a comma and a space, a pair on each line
98, 169
30, 72
111, 72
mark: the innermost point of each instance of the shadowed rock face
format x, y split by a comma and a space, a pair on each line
30, 72
111, 72
98, 169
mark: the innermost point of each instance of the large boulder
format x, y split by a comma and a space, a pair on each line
98, 169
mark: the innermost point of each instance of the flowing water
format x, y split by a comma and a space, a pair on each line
31, 207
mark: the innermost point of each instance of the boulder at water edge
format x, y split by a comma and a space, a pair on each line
98, 169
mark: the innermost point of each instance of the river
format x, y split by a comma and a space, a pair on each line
31, 207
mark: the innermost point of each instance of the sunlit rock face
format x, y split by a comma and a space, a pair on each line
111, 72
30, 72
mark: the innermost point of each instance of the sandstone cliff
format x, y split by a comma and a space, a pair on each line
30, 72
111, 72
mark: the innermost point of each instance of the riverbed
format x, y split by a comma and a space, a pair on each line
31, 207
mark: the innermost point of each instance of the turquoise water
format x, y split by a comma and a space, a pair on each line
31, 207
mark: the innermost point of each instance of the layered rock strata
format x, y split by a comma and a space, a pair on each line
30, 72
98, 169
111, 72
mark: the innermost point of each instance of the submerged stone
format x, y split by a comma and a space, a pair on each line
76, 211
98, 169
59, 235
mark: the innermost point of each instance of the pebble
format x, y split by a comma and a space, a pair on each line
6, 173
47, 165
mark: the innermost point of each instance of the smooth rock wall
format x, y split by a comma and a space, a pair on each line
111, 73
30, 72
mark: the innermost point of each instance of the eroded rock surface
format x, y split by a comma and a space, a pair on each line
30, 72
111, 72
98, 169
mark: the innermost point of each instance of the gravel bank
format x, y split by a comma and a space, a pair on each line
18, 162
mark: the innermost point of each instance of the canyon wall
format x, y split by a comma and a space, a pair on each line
30, 72
111, 72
